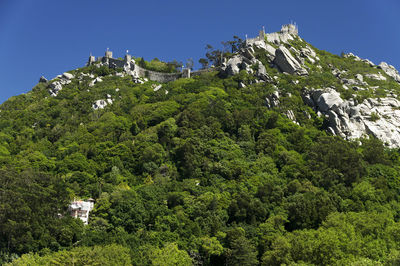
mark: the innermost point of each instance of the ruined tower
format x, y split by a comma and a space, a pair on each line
127, 58
261, 34
290, 28
108, 54
91, 60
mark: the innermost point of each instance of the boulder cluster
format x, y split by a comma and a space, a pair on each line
291, 60
56, 86
346, 118
350, 120
102, 103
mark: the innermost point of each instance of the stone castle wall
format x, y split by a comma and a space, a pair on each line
150, 74
156, 76
115, 63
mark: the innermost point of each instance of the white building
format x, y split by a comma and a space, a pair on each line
80, 209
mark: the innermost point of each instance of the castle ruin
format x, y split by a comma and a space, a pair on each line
128, 64
130, 67
287, 32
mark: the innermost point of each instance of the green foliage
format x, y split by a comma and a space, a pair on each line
170, 255
199, 172
159, 66
99, 70
108, 255
374, 117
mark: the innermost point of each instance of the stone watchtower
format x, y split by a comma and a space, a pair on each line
91, 60
290, 28
186, 73
127, 58
108, 54
261, 34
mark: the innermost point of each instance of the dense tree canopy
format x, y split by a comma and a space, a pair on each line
198, 172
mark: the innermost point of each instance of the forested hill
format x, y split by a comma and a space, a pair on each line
244, 165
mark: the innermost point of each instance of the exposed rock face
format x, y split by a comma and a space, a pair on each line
245, 60
96, 80
137, 80
55, 87
351, 55
287, 63
67, 75
310, 54
376, 76
369, 62
379, 117
356, 58
290, 114
273, 100
390, 71
328, 101
42, 80
101, 104
156, 87
234, 65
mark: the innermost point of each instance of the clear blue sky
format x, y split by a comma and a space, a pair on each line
49, 37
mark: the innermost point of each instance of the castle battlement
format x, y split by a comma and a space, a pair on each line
109, 60
129, 65
290, 29
287, 32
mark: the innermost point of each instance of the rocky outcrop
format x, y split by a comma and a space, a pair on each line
61, 80
310, 54
351, 55
357, 58
369, 62
390, 71
138, 80
67, 76
273, 100
101, 104
245, 60
55, 87
234, 65
262, 45
42, 80
378, 76
287, 63
346, 118
156, 87
96, 80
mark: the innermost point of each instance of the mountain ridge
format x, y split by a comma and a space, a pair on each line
242, 164
287, 52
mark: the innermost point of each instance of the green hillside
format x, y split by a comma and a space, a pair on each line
198, 171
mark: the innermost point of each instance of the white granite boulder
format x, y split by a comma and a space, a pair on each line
285, 61
55, 87
377, 117
96, 80
67, 75
390, 71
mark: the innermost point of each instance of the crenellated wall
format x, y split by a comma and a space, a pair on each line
115, 63
145, 73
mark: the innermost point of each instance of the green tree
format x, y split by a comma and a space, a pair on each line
108, 255
170, 255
